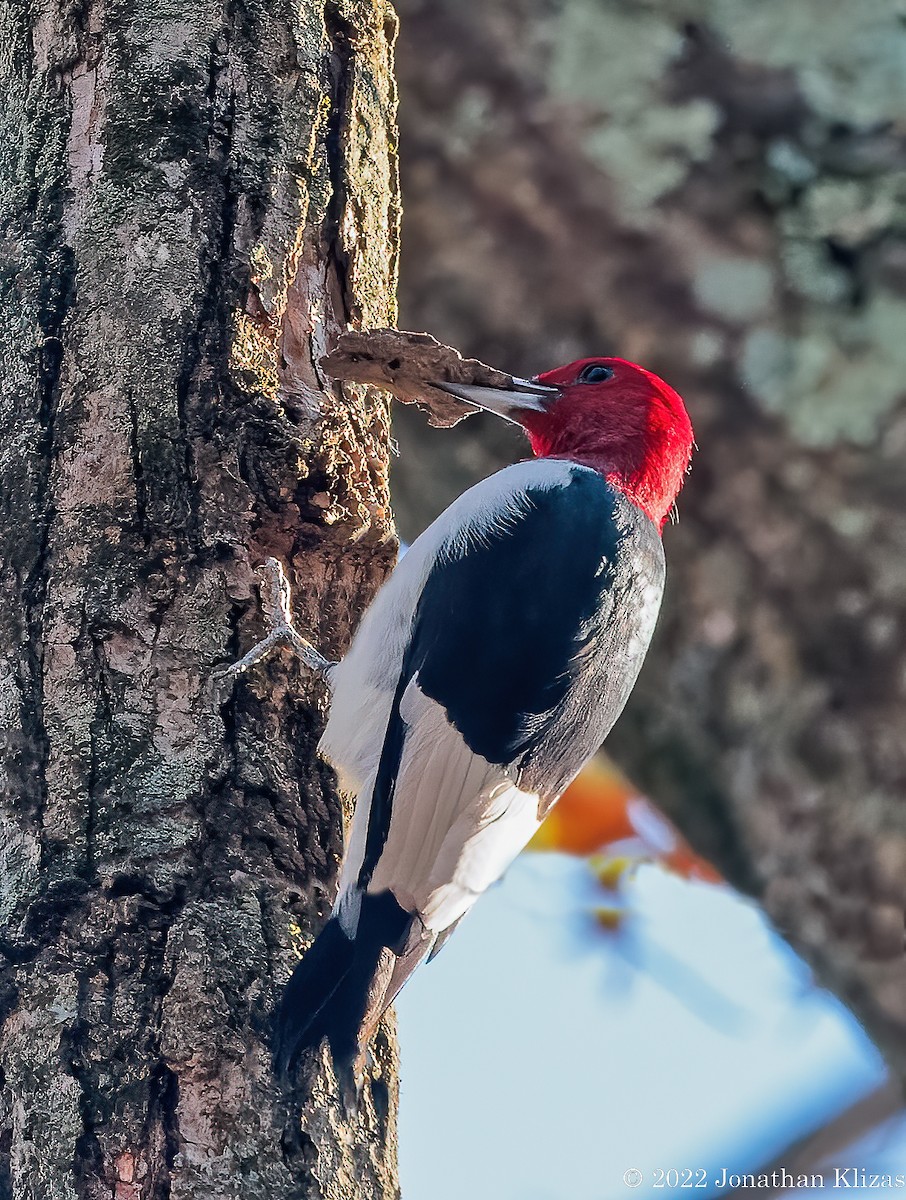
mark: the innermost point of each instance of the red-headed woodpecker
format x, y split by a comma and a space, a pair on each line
487, 671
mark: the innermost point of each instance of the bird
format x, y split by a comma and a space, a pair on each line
487, 671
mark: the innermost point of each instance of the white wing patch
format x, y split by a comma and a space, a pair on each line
457, 822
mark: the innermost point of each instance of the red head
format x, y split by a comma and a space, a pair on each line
620, 419
606, 413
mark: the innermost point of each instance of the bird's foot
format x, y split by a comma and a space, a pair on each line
275, 600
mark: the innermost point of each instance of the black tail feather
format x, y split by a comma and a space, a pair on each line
339, 984
302, 1020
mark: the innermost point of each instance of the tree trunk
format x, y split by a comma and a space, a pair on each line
195, 197
715, 189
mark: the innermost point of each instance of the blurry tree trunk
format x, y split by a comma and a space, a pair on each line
195, 196
717, 189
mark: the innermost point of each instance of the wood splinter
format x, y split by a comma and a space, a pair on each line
406, 364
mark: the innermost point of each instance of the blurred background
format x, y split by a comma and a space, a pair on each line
717, 189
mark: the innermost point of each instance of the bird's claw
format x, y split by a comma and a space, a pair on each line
276, 602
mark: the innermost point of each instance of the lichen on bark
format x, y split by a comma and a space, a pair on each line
194, 200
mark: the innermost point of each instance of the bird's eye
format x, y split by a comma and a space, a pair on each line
595, 373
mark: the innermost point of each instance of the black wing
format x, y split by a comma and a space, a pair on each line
531, 636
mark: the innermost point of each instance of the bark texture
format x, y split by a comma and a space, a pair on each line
195, 196
717, 189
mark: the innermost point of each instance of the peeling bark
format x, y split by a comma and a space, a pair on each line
407, 365
715, 190
194, 200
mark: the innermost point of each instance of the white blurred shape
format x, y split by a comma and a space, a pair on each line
540, 1062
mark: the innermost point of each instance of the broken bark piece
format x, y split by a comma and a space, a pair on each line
406, 364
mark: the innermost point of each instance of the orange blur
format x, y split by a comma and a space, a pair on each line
601, 808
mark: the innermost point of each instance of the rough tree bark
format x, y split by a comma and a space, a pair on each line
716, 188
195, 196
